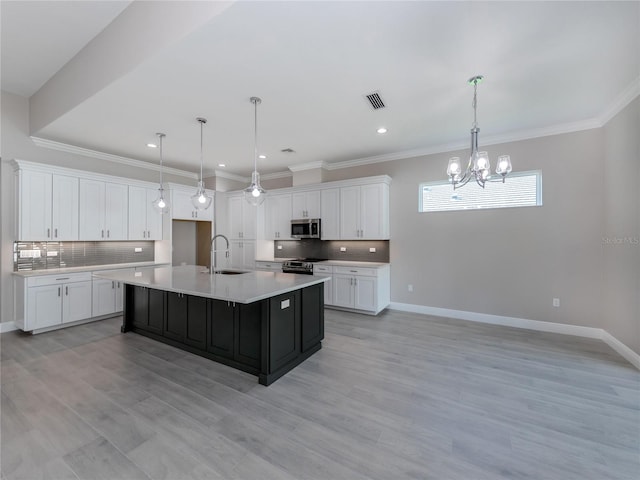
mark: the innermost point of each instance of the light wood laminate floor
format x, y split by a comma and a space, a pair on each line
389, 397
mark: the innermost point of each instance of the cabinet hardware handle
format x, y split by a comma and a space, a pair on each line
63, 278
66, 291
107, 233
48, 232
113, 284
55, 233
144, 234
59, 290
148, 233
102, 234
353, 271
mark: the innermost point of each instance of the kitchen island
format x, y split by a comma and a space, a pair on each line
263, 323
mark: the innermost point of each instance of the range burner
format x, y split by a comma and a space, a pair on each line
301, 265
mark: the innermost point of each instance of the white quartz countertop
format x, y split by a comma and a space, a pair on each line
194, 280
91, 268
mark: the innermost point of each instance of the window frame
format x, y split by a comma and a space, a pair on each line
422, 185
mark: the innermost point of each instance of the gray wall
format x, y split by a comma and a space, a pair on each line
621, 238
509, 262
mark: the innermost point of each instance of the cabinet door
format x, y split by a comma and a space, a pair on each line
119, 297
137, 213
157, 302
299, 205
34, 222
76, 303
330, 214
278, 217
236, 256
249, 220
248, 332
91, 210
196, 332
236, 226
366, 297
350, 213
221, 336
140, 306
44, 307
343, 294
104, 297
328, 292
313, 204
374, 216
175, 325
116, 211
284, 329
65, 207
181, 207
154, 218
249, 254
312, 317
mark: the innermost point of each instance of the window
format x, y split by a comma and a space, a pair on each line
522, 189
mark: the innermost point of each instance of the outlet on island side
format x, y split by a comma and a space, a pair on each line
372, 249
343, 249
137, 249
556, 302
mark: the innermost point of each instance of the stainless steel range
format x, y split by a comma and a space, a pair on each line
302, 266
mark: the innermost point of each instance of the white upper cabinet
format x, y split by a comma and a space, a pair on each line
305, 205
145, 222
242, 218
330, 214
364, 212
47, 206
278, 217
183, 209
103, 210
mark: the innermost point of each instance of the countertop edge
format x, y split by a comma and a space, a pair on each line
89, 268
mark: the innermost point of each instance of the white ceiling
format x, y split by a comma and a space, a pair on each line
546, 64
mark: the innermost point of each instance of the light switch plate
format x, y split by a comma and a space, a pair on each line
284, 304
137, 249
343, 249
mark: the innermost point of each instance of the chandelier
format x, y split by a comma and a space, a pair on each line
478, 167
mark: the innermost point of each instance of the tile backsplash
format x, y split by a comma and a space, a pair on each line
45, 255
355, 250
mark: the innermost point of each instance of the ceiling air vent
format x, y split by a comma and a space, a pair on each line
287, 150
375, 100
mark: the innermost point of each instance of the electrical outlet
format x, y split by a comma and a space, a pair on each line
279, 247
343, 249
410, 287
556, 302
137, 249
372, 249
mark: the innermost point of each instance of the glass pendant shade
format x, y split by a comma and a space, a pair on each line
454, 167
161, 204
201, 200
254, 193
504, 165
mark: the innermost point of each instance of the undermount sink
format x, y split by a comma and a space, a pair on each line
230, 272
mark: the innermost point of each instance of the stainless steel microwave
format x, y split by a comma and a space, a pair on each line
305, 228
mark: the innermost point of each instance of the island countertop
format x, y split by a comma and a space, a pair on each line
246, 287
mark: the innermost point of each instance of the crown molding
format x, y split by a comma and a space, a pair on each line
308, 166
230, 176
272, 176
621, 101
86, 152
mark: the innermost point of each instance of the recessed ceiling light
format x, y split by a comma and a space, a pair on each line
152, 145
222, 165
262, 156
382, 130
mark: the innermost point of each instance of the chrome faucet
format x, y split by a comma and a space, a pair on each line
213, 252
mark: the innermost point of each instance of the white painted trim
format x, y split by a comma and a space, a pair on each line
271, 176
8, 327
538, 325
621, 101
86, 152
308, 166
621, 348
230, 176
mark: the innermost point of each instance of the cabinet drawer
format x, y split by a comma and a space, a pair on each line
322, 269
275, 266
56, 279
368, 272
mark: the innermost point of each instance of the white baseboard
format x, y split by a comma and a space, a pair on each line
8, 327
577, 330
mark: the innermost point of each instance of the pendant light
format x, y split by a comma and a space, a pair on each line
201, 200
161, 204
478, 167
254, 193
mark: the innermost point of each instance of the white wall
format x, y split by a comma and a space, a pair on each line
507, 262
621, 237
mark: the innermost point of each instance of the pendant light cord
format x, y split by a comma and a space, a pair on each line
255, 136
161, 135
201, 159
475, 103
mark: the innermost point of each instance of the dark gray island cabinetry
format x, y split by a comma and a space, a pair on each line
266, 337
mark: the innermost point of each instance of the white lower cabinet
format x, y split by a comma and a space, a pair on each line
361, 288
268, 266
107, 297
325, 271
54, 300
243, 254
